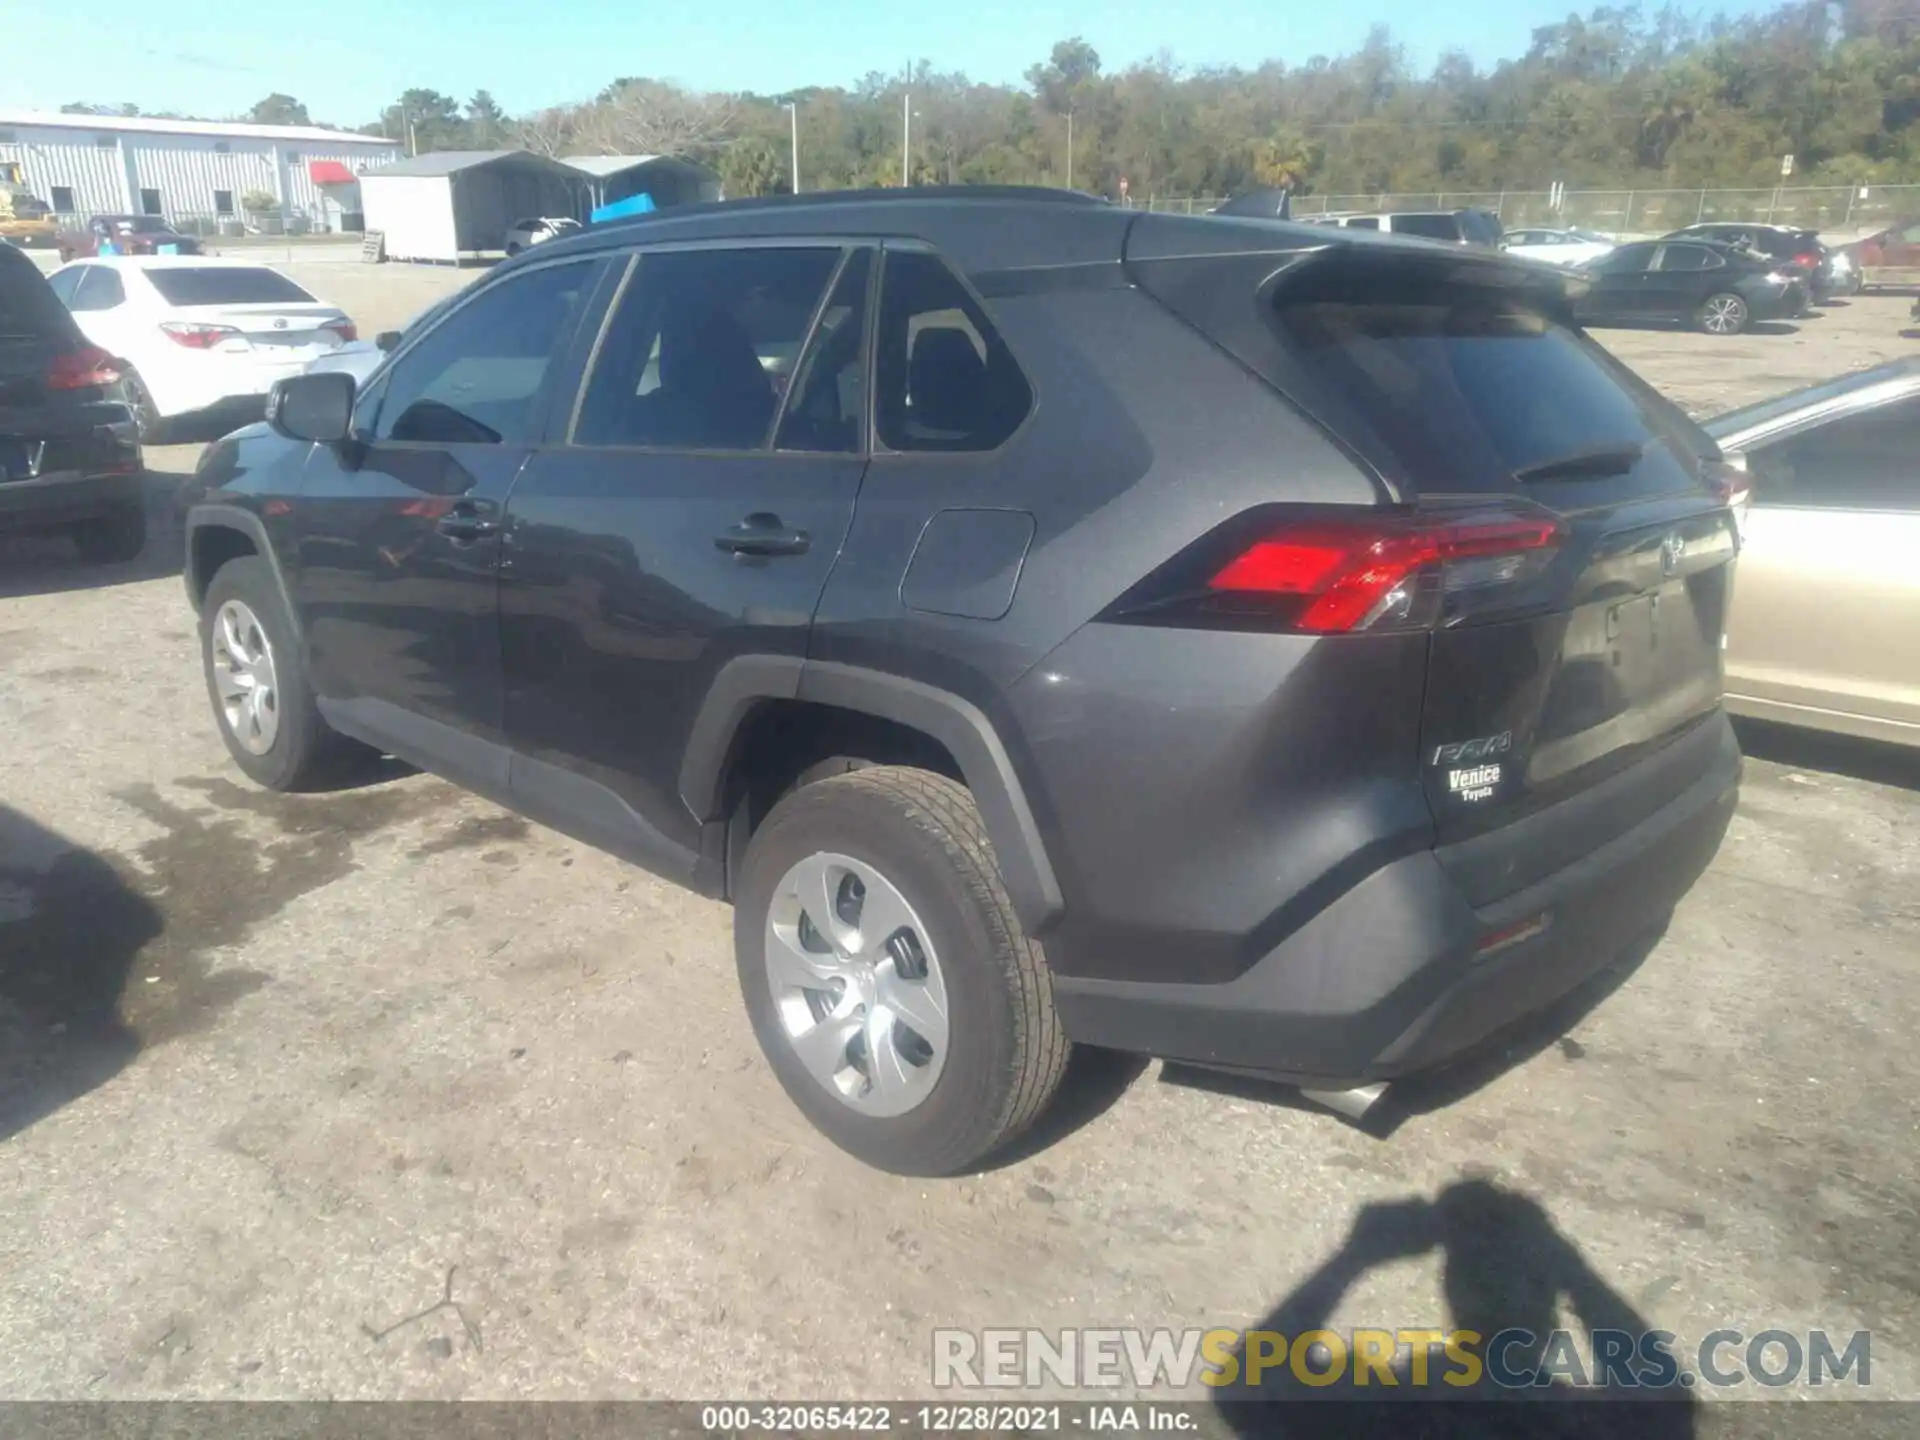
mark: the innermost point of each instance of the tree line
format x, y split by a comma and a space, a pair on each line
1617, 97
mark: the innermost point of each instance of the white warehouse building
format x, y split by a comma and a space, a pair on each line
196, 173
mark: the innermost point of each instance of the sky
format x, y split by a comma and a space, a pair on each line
346, 59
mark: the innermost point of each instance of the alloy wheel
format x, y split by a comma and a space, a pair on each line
857, 986
244, 675
1725, 314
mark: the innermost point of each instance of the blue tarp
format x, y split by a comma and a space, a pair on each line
619, 209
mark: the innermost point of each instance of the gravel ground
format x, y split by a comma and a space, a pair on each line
387, 1093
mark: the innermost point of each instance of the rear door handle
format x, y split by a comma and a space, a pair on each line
763, 535
466, 521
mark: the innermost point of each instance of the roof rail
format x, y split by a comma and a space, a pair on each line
1028, 194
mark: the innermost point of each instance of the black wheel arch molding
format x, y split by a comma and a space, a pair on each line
953, 721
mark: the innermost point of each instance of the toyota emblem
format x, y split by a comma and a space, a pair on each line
1671, 549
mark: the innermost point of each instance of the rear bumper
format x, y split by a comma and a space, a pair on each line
1390, 979
61, 499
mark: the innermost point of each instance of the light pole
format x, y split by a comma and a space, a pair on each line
906, 138
1069, 148
793, 112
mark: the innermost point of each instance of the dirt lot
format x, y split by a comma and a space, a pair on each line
278, 1076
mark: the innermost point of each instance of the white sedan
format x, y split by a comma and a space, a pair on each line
194, 331
1557, 247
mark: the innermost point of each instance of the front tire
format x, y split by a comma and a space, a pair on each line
1723, 314
888, 980
258, 686
114, 538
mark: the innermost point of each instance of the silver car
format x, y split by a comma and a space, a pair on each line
1825, 629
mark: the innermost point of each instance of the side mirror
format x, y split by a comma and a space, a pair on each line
388, 340
316, 407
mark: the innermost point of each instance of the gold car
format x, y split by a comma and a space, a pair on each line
1825, 627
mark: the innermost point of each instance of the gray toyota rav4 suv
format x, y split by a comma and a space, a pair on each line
1269, 647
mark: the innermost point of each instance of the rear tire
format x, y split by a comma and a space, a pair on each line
282, 745
913, 842
114, 538
151, 424
1722, 314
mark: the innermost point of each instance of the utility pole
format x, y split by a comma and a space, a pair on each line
793, 111
1069, 147
906, 138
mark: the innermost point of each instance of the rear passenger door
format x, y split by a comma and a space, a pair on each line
690, 512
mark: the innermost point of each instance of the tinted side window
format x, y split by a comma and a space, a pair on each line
477, 377
1861, 462
943, 378
701, 347
1363, 222
1427, 227
826, 402
99, 289
1627, 260
1687, 257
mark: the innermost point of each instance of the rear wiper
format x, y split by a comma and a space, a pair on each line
1602, 460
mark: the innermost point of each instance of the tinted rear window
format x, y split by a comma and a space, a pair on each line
28, 306
1457, 385
224, 285
1428, 227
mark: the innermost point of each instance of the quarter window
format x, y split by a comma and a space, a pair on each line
943, 377
701, 348
99, 289
477, 378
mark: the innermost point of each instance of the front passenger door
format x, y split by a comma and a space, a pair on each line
398, 528
1618, 290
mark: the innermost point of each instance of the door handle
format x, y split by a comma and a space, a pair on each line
466, 522
763, 535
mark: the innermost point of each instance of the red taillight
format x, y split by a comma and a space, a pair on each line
196, 336
344, 329
83, 369
1349, 574
1808, 258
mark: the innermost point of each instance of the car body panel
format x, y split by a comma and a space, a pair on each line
1891, 257
1823, 632
1555, 247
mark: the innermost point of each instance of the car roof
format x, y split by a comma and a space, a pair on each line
165, 262
990, 232
1859, 390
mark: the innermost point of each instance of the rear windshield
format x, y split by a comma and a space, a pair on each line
29, 310
224, 285
1459, 385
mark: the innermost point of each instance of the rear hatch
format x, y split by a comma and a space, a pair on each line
59, 397
256, 305
1575, 560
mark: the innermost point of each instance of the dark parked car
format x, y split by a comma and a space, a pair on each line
69, 456
1274, 649
1796, 250
125, 235
1716, 288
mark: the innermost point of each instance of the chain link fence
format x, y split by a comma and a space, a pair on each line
1838, 208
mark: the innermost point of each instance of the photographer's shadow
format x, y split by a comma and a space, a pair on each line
1506, 1268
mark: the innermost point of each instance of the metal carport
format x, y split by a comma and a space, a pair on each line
455, 205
